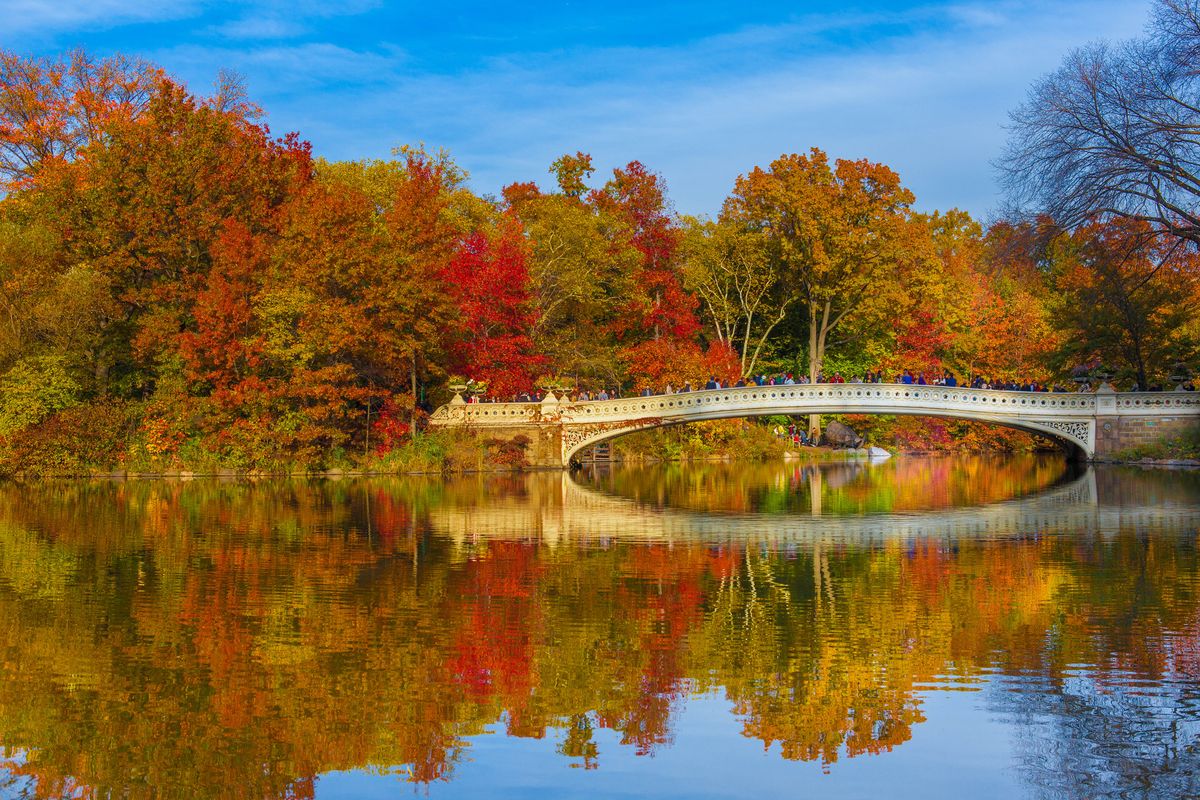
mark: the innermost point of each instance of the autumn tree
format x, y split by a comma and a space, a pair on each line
1127, 295
578, 278
51, 108
657, 306
489, 280
841, 234
143, 207
975, 315
49, 306
733, 271
656, 321
422, 235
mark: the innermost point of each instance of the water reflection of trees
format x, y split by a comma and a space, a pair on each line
206, 639
850, 487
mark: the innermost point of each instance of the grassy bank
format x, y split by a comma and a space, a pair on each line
122, 439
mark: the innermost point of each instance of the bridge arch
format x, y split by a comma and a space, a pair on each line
1073, 438
1074, 442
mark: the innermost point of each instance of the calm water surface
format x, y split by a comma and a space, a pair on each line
919, 628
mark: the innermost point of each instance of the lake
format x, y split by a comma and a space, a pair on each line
922, 627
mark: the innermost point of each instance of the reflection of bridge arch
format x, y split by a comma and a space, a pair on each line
1070, 418
560, 510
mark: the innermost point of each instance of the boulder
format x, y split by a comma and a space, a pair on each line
838, 435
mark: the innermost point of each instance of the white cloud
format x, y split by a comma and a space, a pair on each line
992, 16
290, 71
260, 27
47, 17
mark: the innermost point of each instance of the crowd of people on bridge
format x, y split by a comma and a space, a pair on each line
904, 378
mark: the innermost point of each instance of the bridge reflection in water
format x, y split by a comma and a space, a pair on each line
275, 639
560, 508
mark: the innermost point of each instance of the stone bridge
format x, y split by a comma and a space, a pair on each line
1091, 425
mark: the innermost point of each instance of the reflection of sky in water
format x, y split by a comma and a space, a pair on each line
493, 635
964, 752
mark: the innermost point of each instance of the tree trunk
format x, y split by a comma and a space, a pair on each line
746, 345
814, 369
412, 417
101, 376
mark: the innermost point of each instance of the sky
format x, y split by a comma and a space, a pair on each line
698, 91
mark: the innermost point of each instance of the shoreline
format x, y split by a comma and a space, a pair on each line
827, 456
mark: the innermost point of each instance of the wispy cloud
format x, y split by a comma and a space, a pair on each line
286, 19
290, 70
23, 17
260, 27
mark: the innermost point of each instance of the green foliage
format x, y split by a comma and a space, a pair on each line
33, 389
433, 452
750, 440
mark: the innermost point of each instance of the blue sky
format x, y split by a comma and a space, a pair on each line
698, 91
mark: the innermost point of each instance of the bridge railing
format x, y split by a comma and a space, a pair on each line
1142, 402
825, 397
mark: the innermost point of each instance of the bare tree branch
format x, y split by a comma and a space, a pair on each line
1115, 131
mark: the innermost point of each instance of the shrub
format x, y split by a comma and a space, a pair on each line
75, 441
33, 389
509, 452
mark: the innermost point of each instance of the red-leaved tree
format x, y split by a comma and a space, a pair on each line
489, 280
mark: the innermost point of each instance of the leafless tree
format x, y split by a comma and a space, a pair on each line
1116, 130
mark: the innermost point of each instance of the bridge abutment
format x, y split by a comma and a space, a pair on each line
1115, 434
